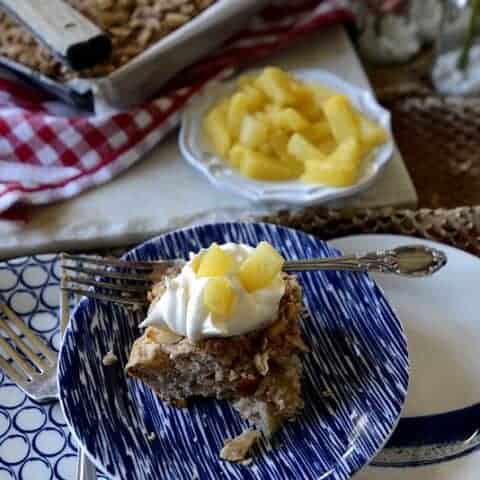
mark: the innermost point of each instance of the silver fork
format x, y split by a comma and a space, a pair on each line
127, 283
38, 379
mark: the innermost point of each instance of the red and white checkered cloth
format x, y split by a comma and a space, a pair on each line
48, 152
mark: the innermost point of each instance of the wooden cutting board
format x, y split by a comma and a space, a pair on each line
163, 192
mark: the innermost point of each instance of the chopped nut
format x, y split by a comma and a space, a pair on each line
180, 403
218, 375
298, 342
176, 19
278, 327
163, 335
261, 362
109, 359
236, 449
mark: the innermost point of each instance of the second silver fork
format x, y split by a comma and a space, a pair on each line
35, 374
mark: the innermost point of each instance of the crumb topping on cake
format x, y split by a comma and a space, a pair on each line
236, 449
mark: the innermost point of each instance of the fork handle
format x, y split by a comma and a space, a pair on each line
410, 261
85, 468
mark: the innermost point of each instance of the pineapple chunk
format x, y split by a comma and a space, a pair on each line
296, 166
236, 155
215, 127
312, 113
263, 167
340, 169
327, 173
267, 149
219, 296
246, 79
372, 134
260, 268
253, 132
327, 146
196, 260
306, 102
321, 93
256, 99
289, 119
343, 120
215, 262
275, 83
303, 150
279, 142
237, 110
317, 132
303, 93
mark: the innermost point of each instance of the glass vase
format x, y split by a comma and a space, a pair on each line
456, 68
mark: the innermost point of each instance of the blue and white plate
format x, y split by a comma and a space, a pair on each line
355, 383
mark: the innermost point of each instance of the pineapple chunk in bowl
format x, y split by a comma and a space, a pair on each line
314, 140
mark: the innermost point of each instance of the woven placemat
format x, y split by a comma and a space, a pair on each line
459, 227
439, 138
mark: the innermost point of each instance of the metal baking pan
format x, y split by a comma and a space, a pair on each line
142, 77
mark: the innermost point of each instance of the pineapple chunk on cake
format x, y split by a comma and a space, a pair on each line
219, 297
215, 262
261, 267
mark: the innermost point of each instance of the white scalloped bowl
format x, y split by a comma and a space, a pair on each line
196, 150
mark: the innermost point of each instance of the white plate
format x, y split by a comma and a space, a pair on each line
441, 317
195, 147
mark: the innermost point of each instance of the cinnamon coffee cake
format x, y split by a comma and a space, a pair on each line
259, 371
132, 25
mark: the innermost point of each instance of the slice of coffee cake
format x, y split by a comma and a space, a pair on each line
258, 371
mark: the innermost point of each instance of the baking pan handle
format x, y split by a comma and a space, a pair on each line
63, 30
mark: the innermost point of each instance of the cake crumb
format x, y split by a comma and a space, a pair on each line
151, 436
261, 362
236, 449
109, 359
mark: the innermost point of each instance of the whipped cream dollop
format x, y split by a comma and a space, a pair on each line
181, 307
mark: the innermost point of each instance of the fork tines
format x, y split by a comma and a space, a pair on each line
25, 371
109, 279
